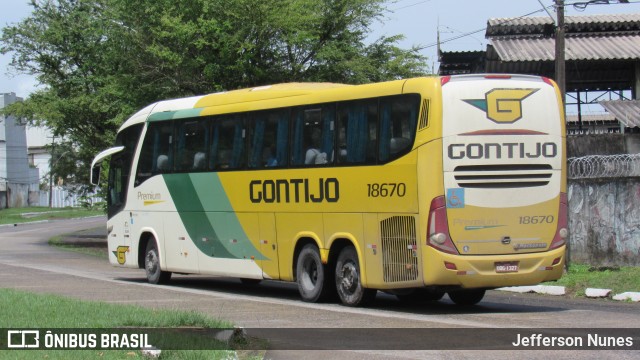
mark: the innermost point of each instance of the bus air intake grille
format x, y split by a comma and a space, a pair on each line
399, 248
424, 115
502, 176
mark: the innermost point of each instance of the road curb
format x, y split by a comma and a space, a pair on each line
561, 290
46, 221
538, 289
625, 296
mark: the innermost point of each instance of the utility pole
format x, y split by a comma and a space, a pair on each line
561, 81
53, 145
560, 73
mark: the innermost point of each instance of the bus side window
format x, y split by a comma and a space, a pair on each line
156, 155
398, 120
357, 131
313, 135
228, 144
257, 127
190, 145
282, 139
268, 141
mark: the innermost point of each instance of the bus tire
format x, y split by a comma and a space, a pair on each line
466, 297
311, 275
348, 283
155, 275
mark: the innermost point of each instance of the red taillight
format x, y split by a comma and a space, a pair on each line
444, 80
438, 229
548, 81
562, 231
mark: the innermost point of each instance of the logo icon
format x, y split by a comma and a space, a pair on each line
121, 254
503, 106
23, 339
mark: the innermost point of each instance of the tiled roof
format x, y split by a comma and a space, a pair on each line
576, 48
573, 24
626, 111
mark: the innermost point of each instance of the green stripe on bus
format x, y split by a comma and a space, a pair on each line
170, 115
216, 233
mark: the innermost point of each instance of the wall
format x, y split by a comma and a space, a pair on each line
603, 144
604, 221
19, 195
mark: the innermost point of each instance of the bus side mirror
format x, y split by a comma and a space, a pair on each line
95, 173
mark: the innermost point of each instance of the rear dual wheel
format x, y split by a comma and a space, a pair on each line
313, 280
317, 282
467, 297
348, 280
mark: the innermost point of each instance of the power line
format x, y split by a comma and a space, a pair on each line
408, 6
479, 30
582, 5
577, 5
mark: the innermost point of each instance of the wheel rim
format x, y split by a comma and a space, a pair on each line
152, 262
349, 278
310, 273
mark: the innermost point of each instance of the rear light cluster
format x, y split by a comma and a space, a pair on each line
562, 231
438, 231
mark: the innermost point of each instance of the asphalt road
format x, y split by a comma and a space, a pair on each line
27, 262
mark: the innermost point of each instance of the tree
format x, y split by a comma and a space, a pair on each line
101, 60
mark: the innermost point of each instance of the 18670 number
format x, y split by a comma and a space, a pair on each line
533, 220
386, 189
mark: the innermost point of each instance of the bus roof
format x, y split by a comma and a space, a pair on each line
193, 106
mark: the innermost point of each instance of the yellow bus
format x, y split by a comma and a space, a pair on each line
416, 187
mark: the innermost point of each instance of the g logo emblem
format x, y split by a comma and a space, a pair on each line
503, 106
121, 254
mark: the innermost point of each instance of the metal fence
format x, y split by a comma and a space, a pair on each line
604, 166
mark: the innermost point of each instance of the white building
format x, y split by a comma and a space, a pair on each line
38, 138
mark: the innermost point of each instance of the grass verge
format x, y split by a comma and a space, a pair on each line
28, 310
22, 215
88, 243
582, 276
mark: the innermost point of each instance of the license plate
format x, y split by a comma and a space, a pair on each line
507, 267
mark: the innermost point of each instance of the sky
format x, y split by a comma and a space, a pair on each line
418, 20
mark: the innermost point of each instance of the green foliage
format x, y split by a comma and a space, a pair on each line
99, 61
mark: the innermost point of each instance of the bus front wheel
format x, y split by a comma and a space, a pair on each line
348, 280
155, 275
466, 297
311, 276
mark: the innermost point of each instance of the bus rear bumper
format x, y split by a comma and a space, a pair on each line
492, 271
